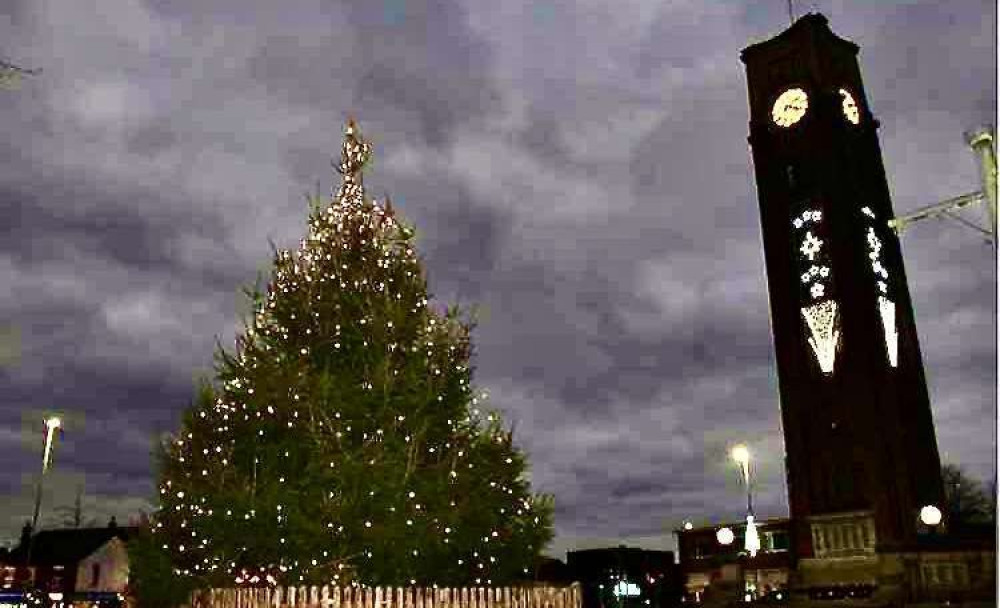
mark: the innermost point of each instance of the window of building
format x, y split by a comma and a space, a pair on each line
848, 531
779, 541
95, 575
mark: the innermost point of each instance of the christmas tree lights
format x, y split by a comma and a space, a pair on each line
345, 442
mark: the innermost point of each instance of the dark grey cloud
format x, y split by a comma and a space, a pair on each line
578, 169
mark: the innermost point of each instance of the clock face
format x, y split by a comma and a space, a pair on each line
790, 107
848, 107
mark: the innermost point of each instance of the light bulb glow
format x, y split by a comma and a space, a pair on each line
740, 454
930, 515
51, 424
725, 536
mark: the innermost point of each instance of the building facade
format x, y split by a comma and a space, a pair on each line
84, 562
622, 576
856, 415
861, 454
705, 561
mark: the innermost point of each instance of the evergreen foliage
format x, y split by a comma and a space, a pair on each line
966, 501
343, 441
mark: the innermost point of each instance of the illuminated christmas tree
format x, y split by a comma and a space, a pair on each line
344, 442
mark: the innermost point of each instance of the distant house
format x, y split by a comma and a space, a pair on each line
74, 560
705, 560
621, 577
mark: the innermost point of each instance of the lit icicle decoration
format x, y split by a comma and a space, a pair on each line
752, 539
886, 307
888, 313
822, 321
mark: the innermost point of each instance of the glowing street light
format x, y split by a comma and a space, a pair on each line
725, 536
741, 454
930, 515
52, 424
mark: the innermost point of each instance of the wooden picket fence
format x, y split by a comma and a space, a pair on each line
387, 597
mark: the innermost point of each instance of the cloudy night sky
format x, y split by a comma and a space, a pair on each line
578, 169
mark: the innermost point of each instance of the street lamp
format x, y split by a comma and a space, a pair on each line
52, 424
930, 515
741, 454
725, 536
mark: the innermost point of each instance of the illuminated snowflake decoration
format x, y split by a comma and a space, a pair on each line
886, 307
811, 246
815, 272
825, 336
808, 216
821, 316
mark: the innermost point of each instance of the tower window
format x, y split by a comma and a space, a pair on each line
95, 575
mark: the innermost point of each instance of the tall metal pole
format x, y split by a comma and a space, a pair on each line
746, 479
51, 425
10, 73
981, 141
741, 454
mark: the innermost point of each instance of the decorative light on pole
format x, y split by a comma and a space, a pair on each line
741, 454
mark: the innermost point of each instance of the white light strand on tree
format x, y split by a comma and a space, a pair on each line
330, 231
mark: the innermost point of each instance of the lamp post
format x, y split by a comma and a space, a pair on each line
930, 516
741, 454
52, 424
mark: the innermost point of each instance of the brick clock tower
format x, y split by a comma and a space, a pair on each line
861, 456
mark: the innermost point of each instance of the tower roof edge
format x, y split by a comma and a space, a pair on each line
806, 28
